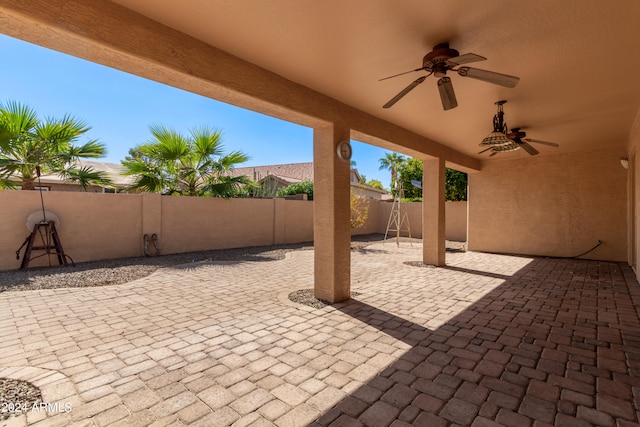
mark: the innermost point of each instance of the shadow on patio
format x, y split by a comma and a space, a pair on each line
557, 343
488, 340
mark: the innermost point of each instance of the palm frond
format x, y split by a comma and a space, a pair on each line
232, 159
207, 142
5, 137
91, 150
168, 145
148, 183
134, 166
57, 135
17, 118
86, 176
148, 177
9, 167
7, 184
226, 186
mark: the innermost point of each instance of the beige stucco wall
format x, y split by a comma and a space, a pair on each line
294, 221
414, 216
105, 226
198, 223
92, 226
555, 205
456, 221
455, 214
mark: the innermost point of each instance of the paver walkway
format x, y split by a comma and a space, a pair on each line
488, 340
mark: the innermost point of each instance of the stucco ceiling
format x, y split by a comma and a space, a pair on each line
578, 60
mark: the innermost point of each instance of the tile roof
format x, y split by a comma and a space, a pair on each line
114, 170
292, 172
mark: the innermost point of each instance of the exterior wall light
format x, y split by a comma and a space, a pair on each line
624, 161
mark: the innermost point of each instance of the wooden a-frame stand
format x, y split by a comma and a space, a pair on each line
50, 244
398, 218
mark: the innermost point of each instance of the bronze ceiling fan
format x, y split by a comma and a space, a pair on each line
442, 59
501, 140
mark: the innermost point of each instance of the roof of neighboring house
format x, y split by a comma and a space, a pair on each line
291, 172
368, 188
114, 170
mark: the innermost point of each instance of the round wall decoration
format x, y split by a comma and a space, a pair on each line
344, 151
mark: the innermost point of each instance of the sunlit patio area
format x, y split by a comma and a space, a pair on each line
487, 340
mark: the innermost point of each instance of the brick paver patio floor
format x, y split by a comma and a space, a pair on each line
488, 340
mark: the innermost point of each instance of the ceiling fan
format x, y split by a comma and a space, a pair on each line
501, 140
442, 59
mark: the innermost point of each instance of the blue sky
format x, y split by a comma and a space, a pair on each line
119, 107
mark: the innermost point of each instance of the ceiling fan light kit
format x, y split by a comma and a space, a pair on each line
511, 146
498, 137
495, 139
442, 59
500, 140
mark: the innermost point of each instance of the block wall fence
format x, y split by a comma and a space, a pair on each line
105, 226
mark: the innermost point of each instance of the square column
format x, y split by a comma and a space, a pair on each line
331, 225
433, 211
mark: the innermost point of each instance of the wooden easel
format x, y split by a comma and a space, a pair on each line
50, 244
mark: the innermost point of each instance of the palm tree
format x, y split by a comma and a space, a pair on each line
391, 161
193, 165
30, 147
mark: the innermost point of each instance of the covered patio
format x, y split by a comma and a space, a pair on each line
487, 340
321, 65
477, 338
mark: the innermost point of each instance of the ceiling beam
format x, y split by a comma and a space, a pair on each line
107, 33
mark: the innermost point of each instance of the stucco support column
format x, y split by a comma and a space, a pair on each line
331, 226
433, 211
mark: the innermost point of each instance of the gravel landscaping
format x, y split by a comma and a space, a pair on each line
17, 397
305, 297
118, 271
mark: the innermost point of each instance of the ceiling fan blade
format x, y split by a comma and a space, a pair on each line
486, 149
404, 91
537, 141
465, 59
528, 148
447, 95
402, 74
489, 76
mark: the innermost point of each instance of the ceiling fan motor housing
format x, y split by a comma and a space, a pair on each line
436, 60
516, 134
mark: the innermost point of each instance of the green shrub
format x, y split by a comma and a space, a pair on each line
304, 187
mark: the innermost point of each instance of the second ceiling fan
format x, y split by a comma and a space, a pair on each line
442, 59
502, 140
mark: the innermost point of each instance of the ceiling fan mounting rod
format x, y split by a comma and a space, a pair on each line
498, 120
